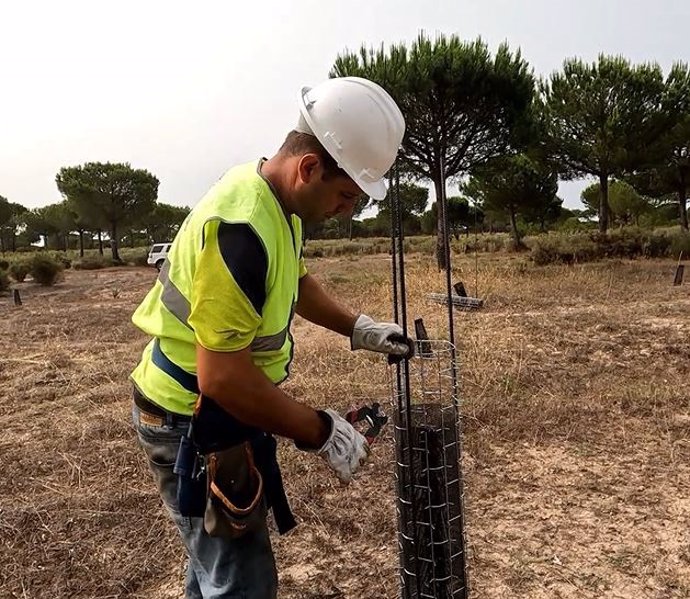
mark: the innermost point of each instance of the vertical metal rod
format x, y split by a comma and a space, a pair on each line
443, 201
401, 255
476, 252
424, 436
398, 386
404, 366
394, 268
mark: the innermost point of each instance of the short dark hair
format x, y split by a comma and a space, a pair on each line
297, 143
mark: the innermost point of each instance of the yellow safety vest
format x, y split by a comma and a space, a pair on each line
166, 373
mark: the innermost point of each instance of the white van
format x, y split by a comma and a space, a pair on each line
157, 254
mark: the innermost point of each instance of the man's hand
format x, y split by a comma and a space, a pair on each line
346, 449
384, 337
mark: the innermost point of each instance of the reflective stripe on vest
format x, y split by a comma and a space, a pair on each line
172, 297
184, 378
179, 307
269, 343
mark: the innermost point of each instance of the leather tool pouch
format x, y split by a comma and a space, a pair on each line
234, 502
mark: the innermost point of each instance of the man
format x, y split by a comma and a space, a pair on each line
221, 309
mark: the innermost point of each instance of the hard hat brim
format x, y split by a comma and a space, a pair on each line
376, 190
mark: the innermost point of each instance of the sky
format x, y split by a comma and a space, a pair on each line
188, 89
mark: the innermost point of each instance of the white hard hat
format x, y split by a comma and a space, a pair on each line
360, 126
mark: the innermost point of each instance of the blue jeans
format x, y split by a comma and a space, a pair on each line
217, 568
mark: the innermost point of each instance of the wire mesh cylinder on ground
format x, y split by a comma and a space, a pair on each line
430, 501
429, 506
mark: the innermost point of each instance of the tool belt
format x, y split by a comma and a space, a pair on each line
228, 473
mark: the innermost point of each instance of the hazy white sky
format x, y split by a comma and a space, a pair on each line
186, 90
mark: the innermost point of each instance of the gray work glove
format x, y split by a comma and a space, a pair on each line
345, 450
384, 337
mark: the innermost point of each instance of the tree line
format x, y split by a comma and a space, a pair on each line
99, 199
506, 137
479, 120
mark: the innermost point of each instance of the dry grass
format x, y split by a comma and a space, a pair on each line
577, 438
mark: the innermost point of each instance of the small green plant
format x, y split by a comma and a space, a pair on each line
4, 264
18, 270
45, 270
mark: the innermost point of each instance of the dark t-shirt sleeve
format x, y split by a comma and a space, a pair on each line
245, 257
229, 287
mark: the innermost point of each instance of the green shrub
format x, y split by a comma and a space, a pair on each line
680, 242
581, 249
545, 251
45, 270
383, 246
136, 256
633, 242
4, 264
512, 246
487, 242
4, 281
564, 249
657, 246
424, 245
622, 243
573, 224
344, 247
139, 259
19, 269
93, 262
61, 258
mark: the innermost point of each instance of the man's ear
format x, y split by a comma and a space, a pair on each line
308, 167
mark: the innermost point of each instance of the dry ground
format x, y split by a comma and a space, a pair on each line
577, 438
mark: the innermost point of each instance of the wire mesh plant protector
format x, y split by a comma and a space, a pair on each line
431, 527
430, 491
